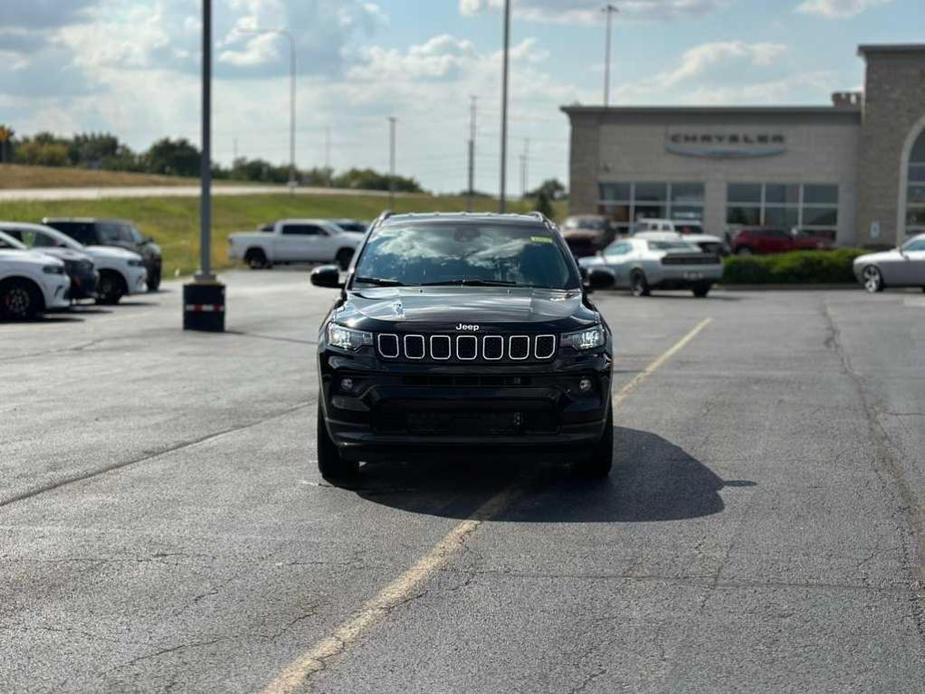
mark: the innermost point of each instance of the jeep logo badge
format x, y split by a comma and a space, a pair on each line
468, 326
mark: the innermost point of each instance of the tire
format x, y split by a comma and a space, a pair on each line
20, 300
639, 286
744, 250
154, 282
343, 258
330, 463
599, 462
256, 259
111, 288
873, 279
701, 289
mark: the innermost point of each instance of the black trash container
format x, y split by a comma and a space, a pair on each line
204, 307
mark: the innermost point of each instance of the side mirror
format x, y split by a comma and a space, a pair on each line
598, 278
327, 276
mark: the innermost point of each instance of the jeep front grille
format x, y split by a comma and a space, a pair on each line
466, 348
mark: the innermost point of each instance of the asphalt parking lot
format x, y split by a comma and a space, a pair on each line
163, 526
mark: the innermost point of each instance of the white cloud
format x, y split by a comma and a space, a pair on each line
838, 9
589, 11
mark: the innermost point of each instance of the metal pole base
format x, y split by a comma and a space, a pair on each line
204, 306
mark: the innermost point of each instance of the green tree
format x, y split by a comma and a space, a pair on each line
552, 187
172, 158
42, 153
544, 205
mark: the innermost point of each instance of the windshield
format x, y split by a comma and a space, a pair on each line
448, 253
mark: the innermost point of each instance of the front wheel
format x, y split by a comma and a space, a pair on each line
600, 459
639, 286
19, 300
256, 259
111, 288
873, 279
701, 289
331, 464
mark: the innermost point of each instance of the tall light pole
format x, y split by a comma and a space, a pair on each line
502, 203
292, 80
470, 203
392, 120
609, 9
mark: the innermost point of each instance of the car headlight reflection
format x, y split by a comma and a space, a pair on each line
582, 340
347, 338
53, 269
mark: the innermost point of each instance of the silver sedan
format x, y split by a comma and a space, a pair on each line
642, 265
900, 267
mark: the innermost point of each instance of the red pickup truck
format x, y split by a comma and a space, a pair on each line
762, 240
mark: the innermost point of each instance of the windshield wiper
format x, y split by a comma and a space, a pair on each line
379, 281
470, 283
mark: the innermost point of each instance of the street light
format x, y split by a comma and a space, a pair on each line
609, 9
502, 203
292, 79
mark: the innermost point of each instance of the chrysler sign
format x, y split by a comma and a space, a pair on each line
725, 144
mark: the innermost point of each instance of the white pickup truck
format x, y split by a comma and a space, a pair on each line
294, 241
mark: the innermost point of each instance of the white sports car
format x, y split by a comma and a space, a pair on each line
900, 267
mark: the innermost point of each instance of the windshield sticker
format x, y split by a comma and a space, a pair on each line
541, 239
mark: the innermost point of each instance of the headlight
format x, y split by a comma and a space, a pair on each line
345, 338
589, 338
136, 263
53, 270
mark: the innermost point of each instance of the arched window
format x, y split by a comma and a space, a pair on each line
915, 194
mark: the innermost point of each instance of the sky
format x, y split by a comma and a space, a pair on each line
131, 67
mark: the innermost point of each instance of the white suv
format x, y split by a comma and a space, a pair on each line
691, 231
122, 272
31, 283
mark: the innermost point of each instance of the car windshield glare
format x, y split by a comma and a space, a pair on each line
466, 254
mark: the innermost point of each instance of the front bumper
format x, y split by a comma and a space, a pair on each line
137, 280
57, 292
423, 409
83, 285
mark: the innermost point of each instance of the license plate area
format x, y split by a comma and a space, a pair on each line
528, 418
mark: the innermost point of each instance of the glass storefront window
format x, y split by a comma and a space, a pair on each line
687, 193
778, 194
915, 217
820, 195
783, 217
617, 192
744, 216
744, 192
651, 192
820, 216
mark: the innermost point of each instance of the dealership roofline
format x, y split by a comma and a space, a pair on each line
734, 110
866, 48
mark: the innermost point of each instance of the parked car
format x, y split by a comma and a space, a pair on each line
457, 332
78, 266
353, 225
294, 241
644, 264
766, 240
690, 230
900, 267
122, 272
586, 234
30, 283
114, 232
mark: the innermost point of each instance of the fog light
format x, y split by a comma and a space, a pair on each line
346, 384
584, 385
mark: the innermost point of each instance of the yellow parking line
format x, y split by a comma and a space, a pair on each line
402, 588
628, 389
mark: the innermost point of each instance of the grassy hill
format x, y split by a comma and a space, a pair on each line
174, 222
18, 176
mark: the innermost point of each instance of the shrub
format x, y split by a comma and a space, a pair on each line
798, 267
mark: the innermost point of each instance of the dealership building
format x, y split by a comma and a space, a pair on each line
853, 170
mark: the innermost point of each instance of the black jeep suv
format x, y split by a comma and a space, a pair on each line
463, 331
114, 232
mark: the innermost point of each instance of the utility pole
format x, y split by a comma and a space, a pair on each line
609, 9
234, 146
292, 89
327, 153
502, 203
392, 120
204, 297
524, 168
470, 203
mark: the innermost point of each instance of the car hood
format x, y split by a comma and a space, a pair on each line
64, 254
701, 238
879, 257
110, 253
29, 257
443, 308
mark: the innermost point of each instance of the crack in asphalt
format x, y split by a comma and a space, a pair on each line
909, 515
71, 479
